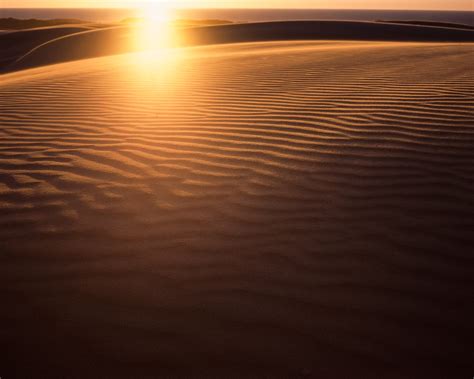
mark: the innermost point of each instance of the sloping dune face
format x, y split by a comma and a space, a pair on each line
269, 209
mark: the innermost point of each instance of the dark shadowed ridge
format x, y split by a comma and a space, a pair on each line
16, 44
430, 23
327, 30
117, 40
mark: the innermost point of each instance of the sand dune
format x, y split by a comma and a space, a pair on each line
121, 39
430, 23
327, 30
288, 209
70, 47
15, 44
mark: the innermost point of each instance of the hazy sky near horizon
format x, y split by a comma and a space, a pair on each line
333, 4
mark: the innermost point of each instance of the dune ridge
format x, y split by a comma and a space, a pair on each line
15, 44
65, 46
261, 209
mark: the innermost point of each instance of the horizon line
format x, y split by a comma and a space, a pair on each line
264, 8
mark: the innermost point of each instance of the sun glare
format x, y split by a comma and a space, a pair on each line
154, 31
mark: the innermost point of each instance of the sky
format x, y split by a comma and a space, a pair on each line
331, 4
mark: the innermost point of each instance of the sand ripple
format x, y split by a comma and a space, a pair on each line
272, 208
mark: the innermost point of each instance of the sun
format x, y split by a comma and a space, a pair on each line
156, 10
154, 31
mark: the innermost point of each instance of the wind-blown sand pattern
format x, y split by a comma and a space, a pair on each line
280, 208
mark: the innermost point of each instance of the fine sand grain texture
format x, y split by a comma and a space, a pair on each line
277, 209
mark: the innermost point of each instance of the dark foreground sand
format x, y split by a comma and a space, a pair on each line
277, 209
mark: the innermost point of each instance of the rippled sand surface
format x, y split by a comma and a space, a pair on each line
280, 208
